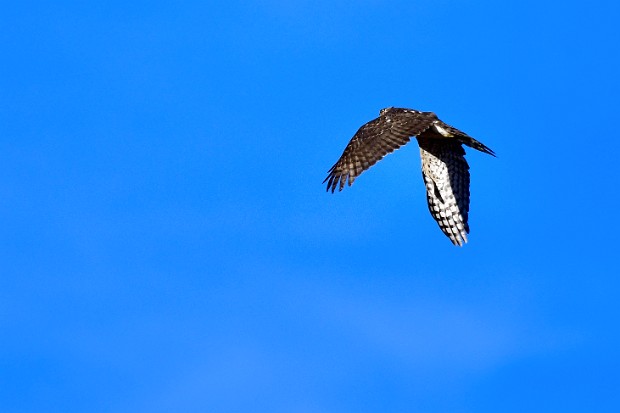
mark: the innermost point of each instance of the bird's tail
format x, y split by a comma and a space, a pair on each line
472, 143
466, 139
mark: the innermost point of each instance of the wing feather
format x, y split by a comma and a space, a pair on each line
446, 176
444, 168
373, 141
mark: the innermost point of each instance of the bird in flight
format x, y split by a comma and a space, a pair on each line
444, 168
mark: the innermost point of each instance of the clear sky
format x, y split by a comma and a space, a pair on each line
166, 244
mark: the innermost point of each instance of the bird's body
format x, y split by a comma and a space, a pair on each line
444, 168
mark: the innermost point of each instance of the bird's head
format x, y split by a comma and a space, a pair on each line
385, 110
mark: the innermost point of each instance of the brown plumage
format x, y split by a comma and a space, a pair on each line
444, 168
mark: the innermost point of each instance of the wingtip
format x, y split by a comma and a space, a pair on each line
459, 242
332, 183
458, 238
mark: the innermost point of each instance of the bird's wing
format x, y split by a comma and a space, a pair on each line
446, 176
373, 141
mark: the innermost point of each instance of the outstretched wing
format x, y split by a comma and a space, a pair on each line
446, 176
374, 140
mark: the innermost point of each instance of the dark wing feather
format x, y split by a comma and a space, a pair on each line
373, 141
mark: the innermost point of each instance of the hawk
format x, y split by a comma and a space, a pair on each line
444, 168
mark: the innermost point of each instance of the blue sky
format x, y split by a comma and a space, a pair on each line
167, 244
